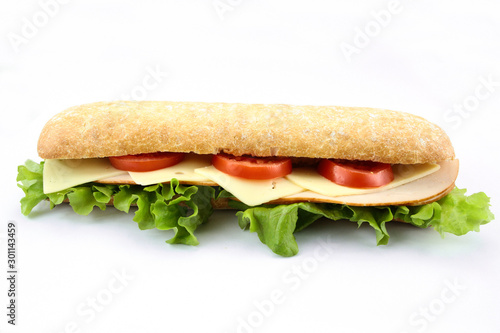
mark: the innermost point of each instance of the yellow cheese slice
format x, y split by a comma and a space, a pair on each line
183, 171
310, 179
250, 191
62, 174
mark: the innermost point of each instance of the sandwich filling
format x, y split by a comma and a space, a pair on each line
301, 184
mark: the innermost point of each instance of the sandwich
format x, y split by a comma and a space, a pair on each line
281, 167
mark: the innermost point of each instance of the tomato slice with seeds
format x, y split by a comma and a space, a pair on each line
146, 162
252, 167
361, 174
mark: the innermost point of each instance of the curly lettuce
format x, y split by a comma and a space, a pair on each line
455, 213
161, 206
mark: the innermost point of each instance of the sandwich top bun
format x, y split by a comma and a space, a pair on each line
353, 133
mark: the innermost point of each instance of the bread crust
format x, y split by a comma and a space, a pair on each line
132, 127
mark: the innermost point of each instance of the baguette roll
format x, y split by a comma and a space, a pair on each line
353, 133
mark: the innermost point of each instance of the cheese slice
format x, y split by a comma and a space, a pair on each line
310, 179
183, 171
250, 191
62, 174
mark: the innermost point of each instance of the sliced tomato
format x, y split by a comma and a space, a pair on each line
252, 167
361, 174
146, 162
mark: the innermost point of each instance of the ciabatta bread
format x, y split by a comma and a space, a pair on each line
353, 133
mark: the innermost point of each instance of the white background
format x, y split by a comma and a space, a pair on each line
424, 58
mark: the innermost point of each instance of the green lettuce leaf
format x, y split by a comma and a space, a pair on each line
275, 225
30, 180
456, 213
162, 206
181, 208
